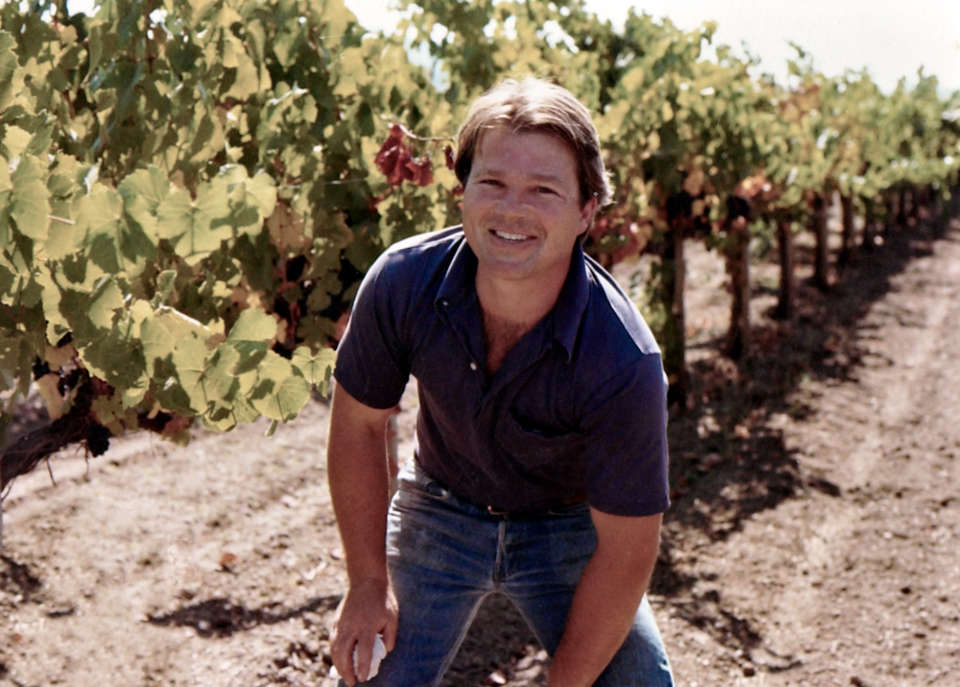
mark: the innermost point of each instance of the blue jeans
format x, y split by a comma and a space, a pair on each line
446, 556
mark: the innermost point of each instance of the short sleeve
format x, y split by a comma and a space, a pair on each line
626, 428
372, 363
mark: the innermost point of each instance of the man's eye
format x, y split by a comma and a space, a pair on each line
546, 190
490, 182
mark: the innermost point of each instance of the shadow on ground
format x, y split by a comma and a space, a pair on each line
16, 578
728, 458
220, 617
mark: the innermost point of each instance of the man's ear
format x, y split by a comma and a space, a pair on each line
587, 213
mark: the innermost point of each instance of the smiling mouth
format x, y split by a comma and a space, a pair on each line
507, 236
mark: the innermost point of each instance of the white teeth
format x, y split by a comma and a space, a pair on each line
510, 237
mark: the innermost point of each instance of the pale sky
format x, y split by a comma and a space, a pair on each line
891, 38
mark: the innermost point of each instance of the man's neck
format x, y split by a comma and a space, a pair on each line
500, 336
510, 310
519, 302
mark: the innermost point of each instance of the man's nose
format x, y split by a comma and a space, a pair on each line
512, 202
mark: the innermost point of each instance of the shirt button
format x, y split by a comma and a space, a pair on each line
445, 303
473, 366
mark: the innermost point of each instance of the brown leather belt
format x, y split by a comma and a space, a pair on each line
562, 508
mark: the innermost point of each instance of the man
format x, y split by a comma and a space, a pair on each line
540, 468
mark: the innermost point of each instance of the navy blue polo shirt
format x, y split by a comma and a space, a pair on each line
576, 410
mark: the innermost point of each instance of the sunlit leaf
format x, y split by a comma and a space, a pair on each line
253, 325
316, 369
280, 393
30, 200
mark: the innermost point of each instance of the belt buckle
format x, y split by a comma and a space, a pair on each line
497, 512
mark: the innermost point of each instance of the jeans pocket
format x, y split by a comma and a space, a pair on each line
415, 486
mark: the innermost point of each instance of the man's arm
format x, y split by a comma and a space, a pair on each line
357, 472
607, 596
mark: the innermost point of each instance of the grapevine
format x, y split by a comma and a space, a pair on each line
189, 195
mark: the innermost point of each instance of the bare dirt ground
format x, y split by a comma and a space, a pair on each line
814, 537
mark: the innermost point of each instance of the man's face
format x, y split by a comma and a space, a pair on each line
521, 207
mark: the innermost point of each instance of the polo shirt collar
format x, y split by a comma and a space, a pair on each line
572, 303
458, 281
458, 286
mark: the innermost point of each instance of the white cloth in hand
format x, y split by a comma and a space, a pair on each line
379, 652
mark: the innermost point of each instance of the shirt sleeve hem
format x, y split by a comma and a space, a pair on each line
633, 510
366, 399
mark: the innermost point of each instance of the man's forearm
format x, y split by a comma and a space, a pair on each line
357, 473
602, 613
606, 599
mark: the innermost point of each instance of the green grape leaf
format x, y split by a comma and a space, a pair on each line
10, 84
280, 393
115, 358
30, 202
104, 302
253, 326
175, 215
189, 358
220, 382
247, 79
15, 141
220, 419
196, 227
161, 332
143, 192
156, 340
98, 218
243, 411
316, 369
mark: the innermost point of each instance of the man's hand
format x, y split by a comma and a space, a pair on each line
368, 608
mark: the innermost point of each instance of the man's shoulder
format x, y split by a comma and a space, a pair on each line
618, 360
434, 245
614, 319
411, 264
409, 273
